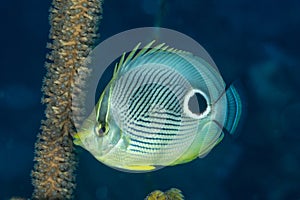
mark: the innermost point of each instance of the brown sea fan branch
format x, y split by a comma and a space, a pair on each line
73, 32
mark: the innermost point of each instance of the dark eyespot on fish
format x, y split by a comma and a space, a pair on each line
162, 107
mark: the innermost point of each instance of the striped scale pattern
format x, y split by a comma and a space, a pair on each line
146, 104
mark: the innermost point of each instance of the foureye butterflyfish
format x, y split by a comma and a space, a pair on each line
162, 107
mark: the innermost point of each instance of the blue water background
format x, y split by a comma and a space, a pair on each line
255, 41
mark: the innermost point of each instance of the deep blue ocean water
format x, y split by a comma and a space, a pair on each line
254, 41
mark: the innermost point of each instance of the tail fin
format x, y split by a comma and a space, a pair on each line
234, 109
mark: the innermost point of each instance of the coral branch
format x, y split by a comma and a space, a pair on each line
73, 32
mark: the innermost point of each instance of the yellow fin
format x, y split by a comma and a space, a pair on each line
140, 168
76, 140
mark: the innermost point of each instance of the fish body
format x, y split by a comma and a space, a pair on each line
162, 107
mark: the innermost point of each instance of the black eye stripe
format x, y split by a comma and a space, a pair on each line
101, 130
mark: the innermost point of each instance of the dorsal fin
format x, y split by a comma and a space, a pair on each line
132, 53
136, 53
143, 50
118, 65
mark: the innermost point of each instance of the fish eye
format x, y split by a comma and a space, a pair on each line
101, 130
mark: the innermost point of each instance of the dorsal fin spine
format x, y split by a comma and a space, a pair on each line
118, 66
132, 53
137, 52
144, 49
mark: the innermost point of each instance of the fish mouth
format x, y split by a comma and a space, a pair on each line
79, 137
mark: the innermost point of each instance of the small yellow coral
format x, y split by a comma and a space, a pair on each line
174, 194
156, 195
171, 194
